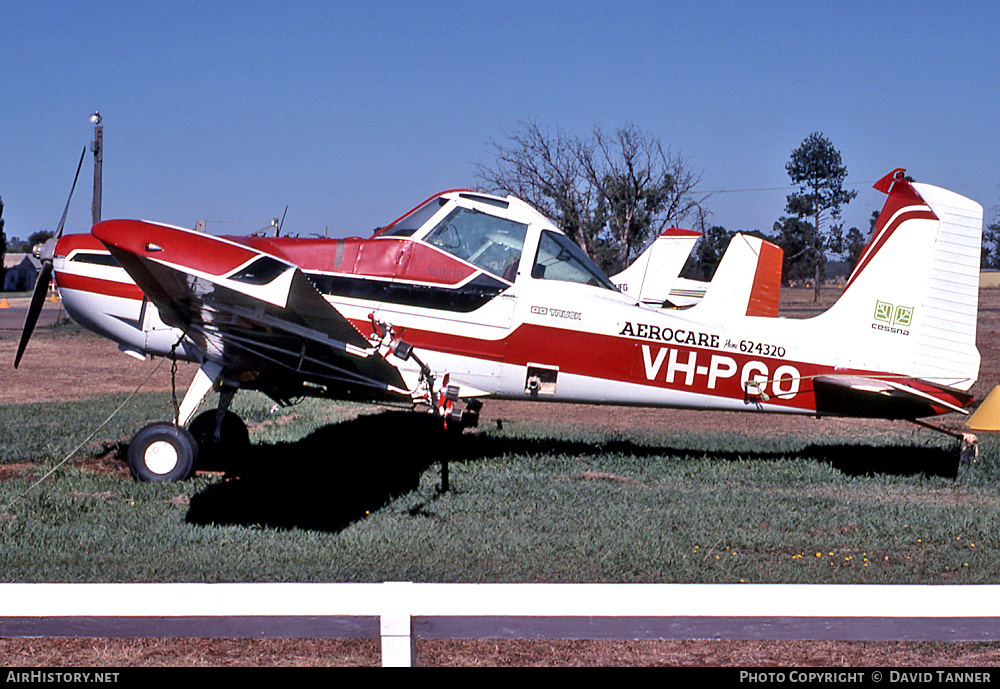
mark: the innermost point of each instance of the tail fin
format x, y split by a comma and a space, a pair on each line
911, 303
650, 277
747, 281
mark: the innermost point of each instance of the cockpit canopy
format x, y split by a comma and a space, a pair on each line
493, 233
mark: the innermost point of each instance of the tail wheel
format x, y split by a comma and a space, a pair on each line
234, 439
162, 452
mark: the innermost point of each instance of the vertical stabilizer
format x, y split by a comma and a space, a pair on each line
651, 276
911, 303
747, 281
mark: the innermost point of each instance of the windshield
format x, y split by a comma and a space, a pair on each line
558, 258
414, 220
486, 241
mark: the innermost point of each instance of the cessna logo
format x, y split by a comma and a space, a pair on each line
892, 318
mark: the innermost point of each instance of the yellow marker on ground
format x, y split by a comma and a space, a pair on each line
987, 416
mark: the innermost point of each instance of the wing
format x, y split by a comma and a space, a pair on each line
254, 313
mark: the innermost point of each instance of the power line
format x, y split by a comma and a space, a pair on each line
738, 191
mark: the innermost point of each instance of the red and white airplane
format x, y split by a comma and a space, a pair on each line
471, 296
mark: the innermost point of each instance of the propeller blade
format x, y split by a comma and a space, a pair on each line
45, 274
35, 308
62, 222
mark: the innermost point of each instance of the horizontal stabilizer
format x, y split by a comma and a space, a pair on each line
858, 396
687, 292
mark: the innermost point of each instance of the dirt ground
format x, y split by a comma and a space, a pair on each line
66, 363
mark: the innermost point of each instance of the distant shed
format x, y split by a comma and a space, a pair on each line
22, 271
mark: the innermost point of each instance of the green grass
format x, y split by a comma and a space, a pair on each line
350, 493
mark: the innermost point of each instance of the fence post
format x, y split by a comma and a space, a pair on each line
397, 625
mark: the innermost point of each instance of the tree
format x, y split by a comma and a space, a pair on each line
795, 237
854, 244
610, 194
39, 237
817, 169
707, 253
991, 246
990, 250
544, 170
642, 187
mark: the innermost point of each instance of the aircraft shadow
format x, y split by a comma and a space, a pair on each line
340, 473
849, 459
327, 480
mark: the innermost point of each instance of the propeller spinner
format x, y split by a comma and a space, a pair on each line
45, 274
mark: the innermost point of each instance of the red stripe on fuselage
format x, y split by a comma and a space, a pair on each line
680, 367
110, 288
717, 372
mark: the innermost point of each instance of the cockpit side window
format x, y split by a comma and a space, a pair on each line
558, 258
260, 272
486, 241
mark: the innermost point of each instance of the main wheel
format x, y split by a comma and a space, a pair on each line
162, 452
234, 440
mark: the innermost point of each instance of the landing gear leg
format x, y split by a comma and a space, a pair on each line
202, 382
221, 435
164, 451
443, 488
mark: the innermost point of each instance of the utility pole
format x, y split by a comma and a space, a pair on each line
97, 146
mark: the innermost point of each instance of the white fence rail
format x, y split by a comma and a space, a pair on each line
399, 612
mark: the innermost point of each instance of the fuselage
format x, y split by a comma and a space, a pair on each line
498, 300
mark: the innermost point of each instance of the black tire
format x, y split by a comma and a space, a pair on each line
234, 443
162, 452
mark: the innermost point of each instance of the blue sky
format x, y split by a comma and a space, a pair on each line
351, 113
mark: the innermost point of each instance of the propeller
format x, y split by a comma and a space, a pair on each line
45, 274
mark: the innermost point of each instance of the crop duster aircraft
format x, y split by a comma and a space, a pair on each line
472, 296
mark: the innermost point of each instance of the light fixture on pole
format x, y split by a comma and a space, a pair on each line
97, 146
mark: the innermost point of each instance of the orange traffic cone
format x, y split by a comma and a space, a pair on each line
4, 304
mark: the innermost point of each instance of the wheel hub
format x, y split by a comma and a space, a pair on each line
161, 457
